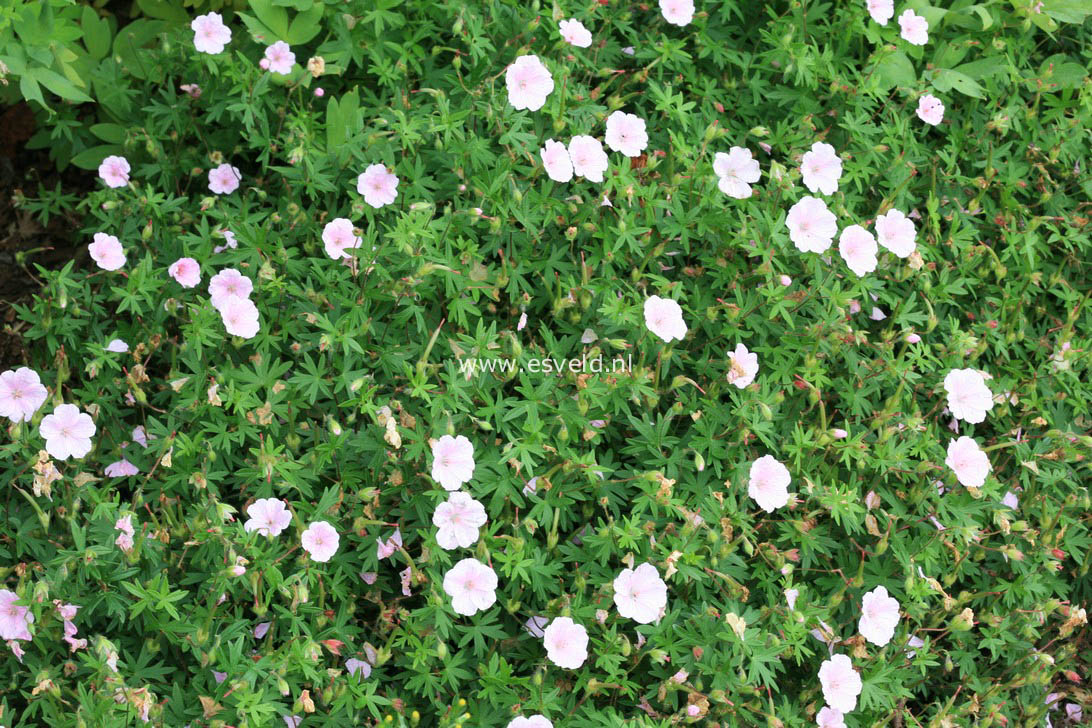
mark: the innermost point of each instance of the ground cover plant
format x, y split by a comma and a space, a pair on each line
452, 363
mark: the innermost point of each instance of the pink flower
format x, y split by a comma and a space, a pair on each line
768, 483
471, 585
895, 231
529, 83
240, 317
566, 643
229, 241
930, 109
280, 58
522, 321
140, 436
913, 339
358, 668
14, 619
879, 616
821, 168
264, 64
67, 432
21, 394
736, 171
969, 463
186, 271
320, 541
574, 33
224, 180
841, 683
125, 524
1010, 500
268, 516
319, 92
640, 594
210, 35
743, 366
677, 12
858, 249
626, 133
378, 186
968, 396
913, 28
535, 721
107, 252
588, 158
124, 541
191, 89
881, 10
114, 171
386, 549
663, 317
338, 236
121, 469
452, 461
261, 630
458, 521
405, 576
117, 346
812, 226
227, 283
829, 717
555, 158
790, 597
785, 280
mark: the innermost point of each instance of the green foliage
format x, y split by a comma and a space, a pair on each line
333, 404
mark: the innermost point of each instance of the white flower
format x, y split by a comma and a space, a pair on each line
969, 463
895, 231
829, 717
736, 171
566, 643
913, 28
663, 317
677, 12
744, 366
626, 133
574, 33
640, 594
458, 520
529, 83
452, 461
821, 168
535, 721
841, 683
320, 541
67, 432
588, 158
471, 585
881, 10
555, 158
858, 248
768, 483
879, 616
968, 396
930, 109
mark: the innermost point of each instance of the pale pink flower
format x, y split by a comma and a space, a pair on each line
522, 321
458, 521
358, 668
812, 226
452, 461
320, 541
736, 172
968, 461
191, 89
841, 683
240, 317
838, 433
877, 314
264, 64
930, 109
677, 12
574, 33
768, 483
743, 366
535, 721
405, 576
319, 92
21, 394
829, 717
566, 643
107, 252
913, 339
968, 396
227, 283
186, 271
535, 625
117, 346
913, 28
124, 541
555, 158
261, 630
114, 171
280, 58
14, 619
1010, 500
858, 249
1074, 713
140, 436
879, 616
785, 280
386, 549
224, 179
471, 585
67, 432
338, 236
125, 524
626, 133
791, 596
121, 469
881, 10
664, 318
210, 35
588, 158
229, 241
895, 231
268, 516
529, 83
378, 186
821, 168
640, 594
914, 642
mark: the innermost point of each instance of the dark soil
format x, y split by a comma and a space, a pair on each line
22, 173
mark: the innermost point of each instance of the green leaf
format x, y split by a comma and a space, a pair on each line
114, 133
59, 85
945, 79
272, 17
163, 10
1068, 11
305, 26
91, 158
895, 69
31, 91
96, 33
